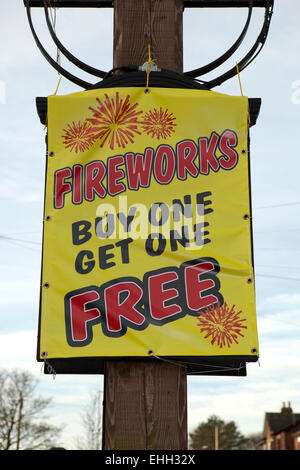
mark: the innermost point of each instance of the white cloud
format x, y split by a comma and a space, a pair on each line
21, 291
18, 349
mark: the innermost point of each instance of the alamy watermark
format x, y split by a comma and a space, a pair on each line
177, 222
182, 223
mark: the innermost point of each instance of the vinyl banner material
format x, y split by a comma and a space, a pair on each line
147, 226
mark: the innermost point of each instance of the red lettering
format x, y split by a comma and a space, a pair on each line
94, 174
126, 309
230, 157
114, 175
80, 316
139, 169
165, 295
158, 295
207, 153
61, 187
77, 184
195, 286
186, 154
164, 164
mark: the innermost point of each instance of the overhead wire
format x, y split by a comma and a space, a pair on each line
5, 237
21, 242
278, 277
277, 205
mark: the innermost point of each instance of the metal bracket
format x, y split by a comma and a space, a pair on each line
145, 67
243, 63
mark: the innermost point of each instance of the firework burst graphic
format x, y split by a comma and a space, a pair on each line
158, 123
78, 136
221, 325
115, 120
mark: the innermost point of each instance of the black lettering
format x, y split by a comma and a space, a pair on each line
175, 238
81, 235
104, 256
84, 267
150, 244
164, 210
199, 234
124, 249
185, 209
201, 203
110, 226
126, 221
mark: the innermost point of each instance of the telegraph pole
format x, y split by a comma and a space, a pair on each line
145, 404
216, 437
145, 399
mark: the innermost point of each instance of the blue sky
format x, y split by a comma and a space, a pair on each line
275, 77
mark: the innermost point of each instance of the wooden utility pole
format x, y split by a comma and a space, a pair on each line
143, 22
145, 404
145, 401
216, 437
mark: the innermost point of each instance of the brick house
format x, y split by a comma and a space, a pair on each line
281, 430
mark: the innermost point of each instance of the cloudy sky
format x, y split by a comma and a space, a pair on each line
275, 77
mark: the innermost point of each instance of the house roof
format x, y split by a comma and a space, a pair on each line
295, 425
278, 421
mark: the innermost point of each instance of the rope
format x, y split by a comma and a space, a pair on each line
149, 68
238, 74
240, 83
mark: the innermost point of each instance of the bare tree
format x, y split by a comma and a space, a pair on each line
253, 441
22, 423
92, 423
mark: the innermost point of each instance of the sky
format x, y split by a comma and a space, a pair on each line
275, 77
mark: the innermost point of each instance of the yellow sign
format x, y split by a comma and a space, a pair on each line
147, 228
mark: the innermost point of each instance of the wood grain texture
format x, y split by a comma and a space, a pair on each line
143, 22
145, 406
165, 407
125, 427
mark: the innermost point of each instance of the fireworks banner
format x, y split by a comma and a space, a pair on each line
147, 226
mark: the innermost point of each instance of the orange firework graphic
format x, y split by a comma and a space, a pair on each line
221, 325
115, 120
78, 136
159, 124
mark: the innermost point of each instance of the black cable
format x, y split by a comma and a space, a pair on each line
277, 205
125, 68
55, 65
278, 277
223, 58
85, 67
252, 54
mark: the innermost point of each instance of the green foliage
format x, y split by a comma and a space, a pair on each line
216, 433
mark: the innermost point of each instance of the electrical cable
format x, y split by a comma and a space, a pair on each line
4, 237
278, 277
85, 67
55, 65
223, 58
252, 54
277, 205
248, 58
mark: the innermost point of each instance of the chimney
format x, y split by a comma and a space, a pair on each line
287, 409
